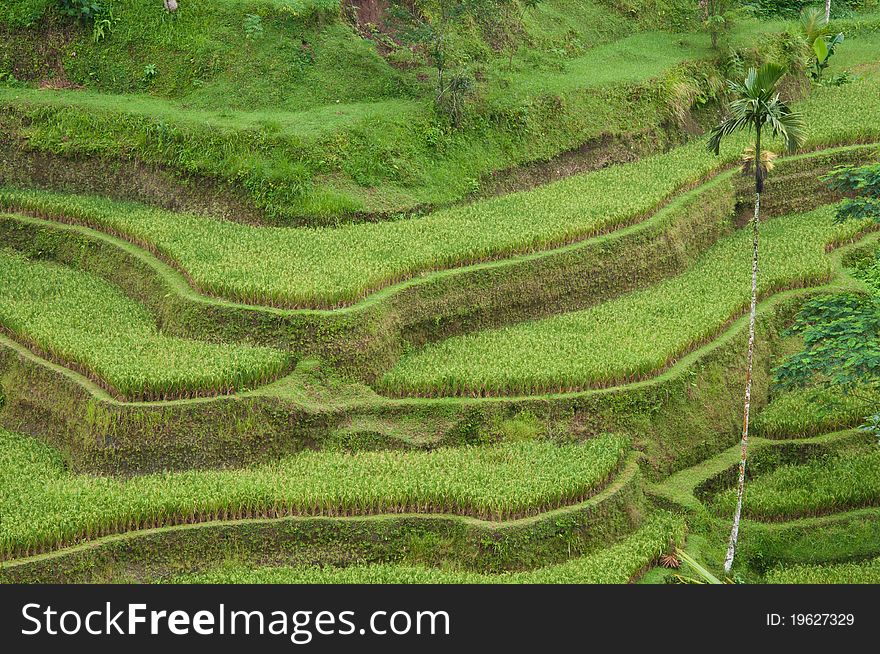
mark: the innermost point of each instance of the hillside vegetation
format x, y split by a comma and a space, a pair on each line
362, 291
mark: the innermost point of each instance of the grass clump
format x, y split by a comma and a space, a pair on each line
867, 572
629, 337
617, 564
45, 507
82, 320
813, 489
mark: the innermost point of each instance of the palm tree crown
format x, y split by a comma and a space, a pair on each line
757, 104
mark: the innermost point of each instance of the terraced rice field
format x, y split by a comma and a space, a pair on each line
630, 337
82, 320
817, 488
274, 332
493, 482
299, 267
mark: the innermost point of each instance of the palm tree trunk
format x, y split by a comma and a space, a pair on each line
747, 404
741, 483
827, 10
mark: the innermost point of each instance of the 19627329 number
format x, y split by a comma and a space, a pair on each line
811, 620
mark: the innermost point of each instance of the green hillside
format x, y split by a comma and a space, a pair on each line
310, 291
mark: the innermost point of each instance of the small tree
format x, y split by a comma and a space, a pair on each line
718, 18
509, 19
757, 107
822, 44
429, 27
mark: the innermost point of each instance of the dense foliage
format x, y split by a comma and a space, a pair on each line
841, 336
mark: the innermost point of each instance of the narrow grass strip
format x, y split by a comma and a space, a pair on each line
617, 564
631, 337
867, 572
82, 320
45, 508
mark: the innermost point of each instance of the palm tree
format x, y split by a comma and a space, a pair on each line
756, 106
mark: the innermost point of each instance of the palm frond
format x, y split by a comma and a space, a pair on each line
787, 124
768, 77
813, 24
726, 128
757, 104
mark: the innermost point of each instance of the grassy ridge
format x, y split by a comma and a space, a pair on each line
83, 320
44, 507
842, 573
631, 336
617, 564
815, 488
325, 267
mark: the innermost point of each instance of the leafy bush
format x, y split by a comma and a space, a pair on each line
253, 26
864, 183
84, 10
841, 344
